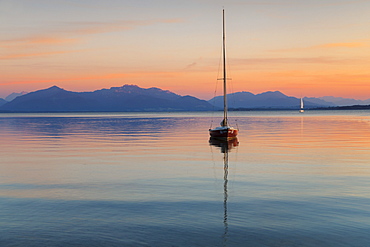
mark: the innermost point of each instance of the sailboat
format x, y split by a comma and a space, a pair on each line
302, 106
225, 131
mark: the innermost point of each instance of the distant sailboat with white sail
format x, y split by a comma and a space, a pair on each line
302, 106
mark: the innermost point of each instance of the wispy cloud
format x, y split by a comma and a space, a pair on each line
267, 2
80, 28
296, 60
67, 34
70, 31
326, 46
342, 45
97, 77
294, 2
345, 2
189, 66
36, 40
33, 55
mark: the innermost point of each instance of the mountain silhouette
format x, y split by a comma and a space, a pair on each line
125, 98
266, 100
51, 99
134, 98
12, 96
3, 101
339, 101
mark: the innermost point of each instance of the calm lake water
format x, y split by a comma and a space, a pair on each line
147, 179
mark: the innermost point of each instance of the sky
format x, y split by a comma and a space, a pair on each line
302, 48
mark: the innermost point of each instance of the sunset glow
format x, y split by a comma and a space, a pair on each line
309, 48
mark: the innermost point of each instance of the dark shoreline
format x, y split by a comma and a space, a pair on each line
354, 107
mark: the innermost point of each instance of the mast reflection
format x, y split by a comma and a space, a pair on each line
225, 146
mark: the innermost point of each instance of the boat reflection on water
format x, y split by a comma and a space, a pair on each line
225, 146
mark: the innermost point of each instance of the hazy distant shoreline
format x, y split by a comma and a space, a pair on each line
336, 108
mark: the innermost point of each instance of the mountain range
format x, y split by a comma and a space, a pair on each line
125, 98
134, 98
339, 101
266, 100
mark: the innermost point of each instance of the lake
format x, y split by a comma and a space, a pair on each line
155, 179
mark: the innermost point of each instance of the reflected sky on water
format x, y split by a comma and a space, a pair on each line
158, 180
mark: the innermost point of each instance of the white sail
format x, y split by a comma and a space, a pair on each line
302, 106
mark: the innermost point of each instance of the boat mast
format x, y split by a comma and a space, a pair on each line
224, 122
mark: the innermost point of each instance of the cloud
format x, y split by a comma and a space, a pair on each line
67, 34
36, 40
325, 46
294, 60
294, 2
194, 64
32, 55
98, 77
190, 65
345, 2
342, 45
107, 27
64, 32
268, 2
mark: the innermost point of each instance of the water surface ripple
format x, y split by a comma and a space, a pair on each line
155, 179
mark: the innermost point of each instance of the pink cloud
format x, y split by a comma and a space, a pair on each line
67, 34
32, 55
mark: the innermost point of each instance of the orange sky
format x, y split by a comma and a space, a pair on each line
301, 48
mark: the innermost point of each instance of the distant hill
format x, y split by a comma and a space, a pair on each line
12, 96
267, 100
339, 101
125, 98
3, 101
319, 102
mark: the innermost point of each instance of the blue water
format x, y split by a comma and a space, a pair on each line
140, 179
